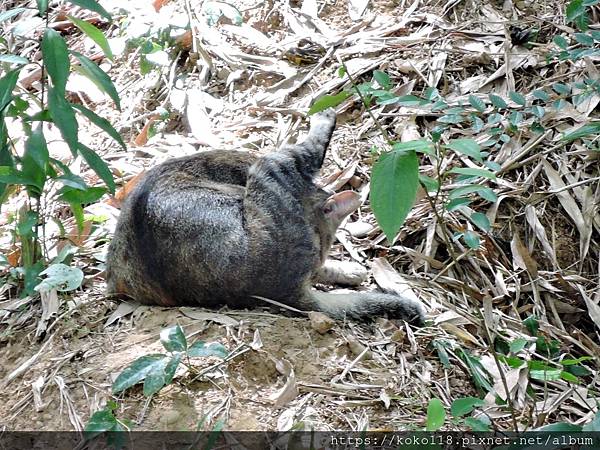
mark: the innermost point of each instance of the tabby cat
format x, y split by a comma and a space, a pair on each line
220, 227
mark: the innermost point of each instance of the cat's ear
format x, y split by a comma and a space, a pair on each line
340, 204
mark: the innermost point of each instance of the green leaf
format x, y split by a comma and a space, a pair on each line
35, 158
561, 88
436, 415
99, 166
481, 221
431, 184
77, 211
200, 348
545, 374
173, 339
382, 78
474, 172
476, 370
498, 101
477, 103
11, 13
101, 123
171, 367
394, 183
561, 42
477, 424
420, 146
541, 95
410, 100
584, 39
60, 277
101, 422
538, 111
532, 325
440, 346
457, 203
7, 84
42, 6
518, 344
472, 240
92, 5
468, 147
94, 34
10, 175
575, 9
517, 98
13, 59
328, 101
341, 72
572, 362
463, 406
156, 378
431, 94
569, 377
91, 70
585, 130
83, 197
56, 59
63, 117
137, 371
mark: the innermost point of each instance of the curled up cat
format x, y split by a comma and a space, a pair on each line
221, 227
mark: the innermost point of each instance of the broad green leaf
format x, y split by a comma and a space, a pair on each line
83, 197
420, 146
592, 128
156, 377
477, 371
468, 147
517, 98
92, 5
440, 346
545, 375
201, 349
538, 111
541, 95
572, 362
431, 94
13, 59
569, 377
498, 101
171, 367
11, 13
478, 424
61, 277
472, 240
475, 172
173, 339
477, 103
101, 422
561, 42
91, 70
63, 117
102, 123
518, 344
77, 211
328, 101
575, 9
10, 175
463, 406
436, 415
42, 6
99, 166
532, 324
35, 158
457, 203
584, 39
451, 118
480, 220
7, 84
94, 34
137, 371
410, 100
56, 59
382, 78
341, 72
431, 184
394, 183
561, 88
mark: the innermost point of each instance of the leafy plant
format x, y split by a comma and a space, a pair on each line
44, 178
105, 422
158, 370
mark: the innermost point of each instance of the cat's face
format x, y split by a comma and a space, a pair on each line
330, 210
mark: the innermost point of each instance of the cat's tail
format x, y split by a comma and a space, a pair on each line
366, 306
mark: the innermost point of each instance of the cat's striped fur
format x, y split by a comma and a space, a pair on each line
221, 226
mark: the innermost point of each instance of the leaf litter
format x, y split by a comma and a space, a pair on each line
246, 83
